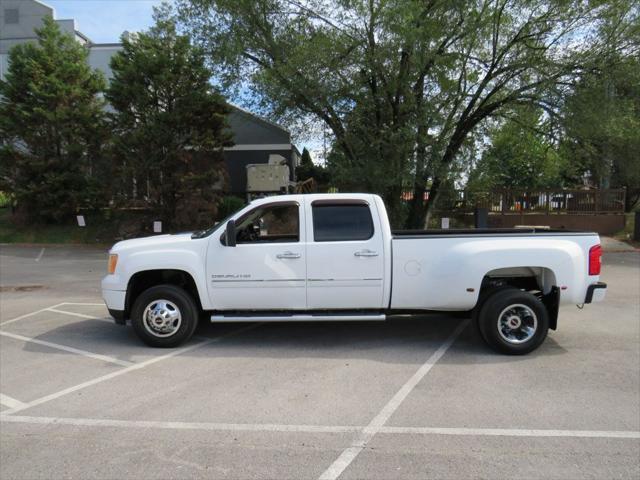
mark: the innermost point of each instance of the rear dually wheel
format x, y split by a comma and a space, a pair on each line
512, 321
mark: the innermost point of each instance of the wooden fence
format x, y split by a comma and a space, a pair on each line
506, 202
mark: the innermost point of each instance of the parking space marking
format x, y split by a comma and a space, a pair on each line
39, 257
6, 322
292, 428
233, 427
351, 452
510, 432
81, 315
77, 351
135, 366
10, 402
86, 304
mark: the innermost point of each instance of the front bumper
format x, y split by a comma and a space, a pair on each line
115, 300
118, 316
596, 292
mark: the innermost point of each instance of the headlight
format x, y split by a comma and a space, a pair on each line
113, 261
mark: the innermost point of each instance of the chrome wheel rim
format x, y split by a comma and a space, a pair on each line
517, 323
162, 318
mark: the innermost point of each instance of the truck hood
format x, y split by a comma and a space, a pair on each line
154, 241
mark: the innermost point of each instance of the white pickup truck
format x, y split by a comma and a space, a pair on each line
334, 257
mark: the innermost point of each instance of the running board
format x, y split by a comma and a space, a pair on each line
299, 318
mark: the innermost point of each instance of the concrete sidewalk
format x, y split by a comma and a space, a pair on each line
612, 245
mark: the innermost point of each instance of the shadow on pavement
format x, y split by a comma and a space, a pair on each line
399, 340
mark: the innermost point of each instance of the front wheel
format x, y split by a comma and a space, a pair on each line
164, 316
513, 322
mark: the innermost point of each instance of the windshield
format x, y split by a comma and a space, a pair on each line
209, 231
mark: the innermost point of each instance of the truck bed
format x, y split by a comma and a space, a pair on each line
493, 232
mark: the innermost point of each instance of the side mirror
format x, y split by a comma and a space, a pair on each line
230, 235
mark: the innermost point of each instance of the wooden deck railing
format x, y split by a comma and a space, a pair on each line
506, 202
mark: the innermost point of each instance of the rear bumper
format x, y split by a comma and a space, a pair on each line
596, 292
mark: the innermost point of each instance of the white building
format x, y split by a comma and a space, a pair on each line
20, 18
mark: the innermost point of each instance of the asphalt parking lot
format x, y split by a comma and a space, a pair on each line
410, 398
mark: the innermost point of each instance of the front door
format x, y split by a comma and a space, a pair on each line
345, 262
266, 270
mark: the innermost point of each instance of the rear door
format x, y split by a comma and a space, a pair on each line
345, 261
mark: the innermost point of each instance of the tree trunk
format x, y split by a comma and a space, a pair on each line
632, 197
434, 192
415, 220
421, 211
392, 200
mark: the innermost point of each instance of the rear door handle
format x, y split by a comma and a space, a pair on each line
366, 253
288, 255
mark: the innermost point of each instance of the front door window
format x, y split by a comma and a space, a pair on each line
271, 224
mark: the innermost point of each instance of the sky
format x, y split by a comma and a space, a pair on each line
103, 21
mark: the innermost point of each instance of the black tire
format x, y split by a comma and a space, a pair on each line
513, 308
484, 295
175, 298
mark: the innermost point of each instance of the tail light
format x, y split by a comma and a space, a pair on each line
595, 260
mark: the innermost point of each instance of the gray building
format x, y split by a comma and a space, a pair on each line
256, 140
20, 18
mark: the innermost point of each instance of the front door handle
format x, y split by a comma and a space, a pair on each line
288, 255
366, 253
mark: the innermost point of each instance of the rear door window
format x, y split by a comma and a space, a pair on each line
335, 222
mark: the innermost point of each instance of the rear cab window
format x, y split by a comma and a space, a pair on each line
336, 221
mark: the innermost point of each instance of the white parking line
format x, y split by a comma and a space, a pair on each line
234, 427
87, 304
7, 401
511, 432
350, 453
77, 351
6, 322
39, 257
81, 315
128, 369
274, 427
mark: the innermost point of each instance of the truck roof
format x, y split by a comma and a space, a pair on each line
315, 196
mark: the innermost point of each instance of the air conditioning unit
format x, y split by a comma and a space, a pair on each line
267, 177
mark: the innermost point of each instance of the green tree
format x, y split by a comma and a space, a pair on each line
170, 124
521, 155
308, 169
403, 85
51, 126
305, 158
601, 125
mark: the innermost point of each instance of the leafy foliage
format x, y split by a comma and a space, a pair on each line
601, 125
51, 126
521, 156
229, 205
403, 85
308, 169
170, 125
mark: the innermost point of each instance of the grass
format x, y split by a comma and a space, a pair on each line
95, 233
626, 235
5, 200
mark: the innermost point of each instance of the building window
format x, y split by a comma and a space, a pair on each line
11, 16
